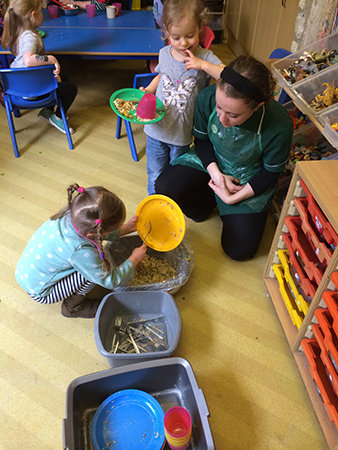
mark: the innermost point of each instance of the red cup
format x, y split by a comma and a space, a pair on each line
118, 8
147, 107
90, 10
53, 11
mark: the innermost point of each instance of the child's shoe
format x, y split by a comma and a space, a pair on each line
79, 306
45, 114
58, 123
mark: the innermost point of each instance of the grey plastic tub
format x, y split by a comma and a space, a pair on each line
144, 304
170, 380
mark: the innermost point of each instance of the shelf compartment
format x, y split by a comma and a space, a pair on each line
296, 316
309, 287
331, 300
304, 252
325, 357
323, 385
319, 219
316, 240
301, 303
330, 340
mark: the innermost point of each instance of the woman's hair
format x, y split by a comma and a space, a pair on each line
254, 71
94, 210
176, 10
17, 20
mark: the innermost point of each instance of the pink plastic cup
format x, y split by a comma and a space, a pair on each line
90, 10
53, 11
118, 8
177, 428
147, 107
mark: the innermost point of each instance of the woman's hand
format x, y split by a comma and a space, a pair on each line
129, 227
138, 254
229, 192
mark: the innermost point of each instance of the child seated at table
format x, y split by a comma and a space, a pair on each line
21, 21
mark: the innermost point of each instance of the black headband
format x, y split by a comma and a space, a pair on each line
242, 84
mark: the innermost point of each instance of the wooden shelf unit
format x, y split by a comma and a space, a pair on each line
321, 178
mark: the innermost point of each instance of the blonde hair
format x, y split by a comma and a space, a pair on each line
176, 10
94, 210
17, 20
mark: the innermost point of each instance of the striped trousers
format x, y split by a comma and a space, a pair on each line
75, 283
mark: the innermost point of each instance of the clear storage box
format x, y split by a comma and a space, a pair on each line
171, 381
328, 43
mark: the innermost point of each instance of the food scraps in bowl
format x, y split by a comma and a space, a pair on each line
127, 107
152, 270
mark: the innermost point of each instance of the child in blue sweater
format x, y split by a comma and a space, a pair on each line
64, 259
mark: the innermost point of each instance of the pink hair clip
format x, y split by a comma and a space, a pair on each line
97, 221
80, 190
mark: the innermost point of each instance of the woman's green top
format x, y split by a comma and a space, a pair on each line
264, 140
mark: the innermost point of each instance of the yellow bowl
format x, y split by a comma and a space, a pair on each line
166, 219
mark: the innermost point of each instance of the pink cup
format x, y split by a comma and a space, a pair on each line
90, 10
118, 8
53, 11
147, 107
177, 428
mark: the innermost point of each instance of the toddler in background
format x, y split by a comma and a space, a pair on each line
184, 69
64, 259
21, 21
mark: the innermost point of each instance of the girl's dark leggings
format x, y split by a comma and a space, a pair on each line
188, 187
67, 92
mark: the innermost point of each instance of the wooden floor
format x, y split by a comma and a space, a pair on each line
231, 334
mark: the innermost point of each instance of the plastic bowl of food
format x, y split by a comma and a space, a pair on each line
70, 9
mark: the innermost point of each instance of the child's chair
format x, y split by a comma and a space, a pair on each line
280, 53
30, 88
139, 80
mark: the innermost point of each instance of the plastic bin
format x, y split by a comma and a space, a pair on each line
325, 322
317, 242
308, 258
297, 316
329, 43
322, 224
170, 380
143, 304
181, 259
324, 387
309, 287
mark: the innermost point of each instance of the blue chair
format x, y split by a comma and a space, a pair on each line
141, 80
280, 53
30, 88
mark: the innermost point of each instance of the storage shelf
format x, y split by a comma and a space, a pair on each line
321, 179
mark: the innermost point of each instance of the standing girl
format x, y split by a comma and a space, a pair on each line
184, 70
64, 259
21, 21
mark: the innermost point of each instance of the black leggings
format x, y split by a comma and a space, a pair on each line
188, 187
67, 92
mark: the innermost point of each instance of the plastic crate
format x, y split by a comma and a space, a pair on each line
317, 369
334, 278
319, 219
171, 381
301, 303
331, 300
131, 305
327, 361
317, 242
309, 287
181, 259
329, 43
296, 316
307, 257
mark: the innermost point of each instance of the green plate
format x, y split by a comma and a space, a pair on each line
135, 95
41, 33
